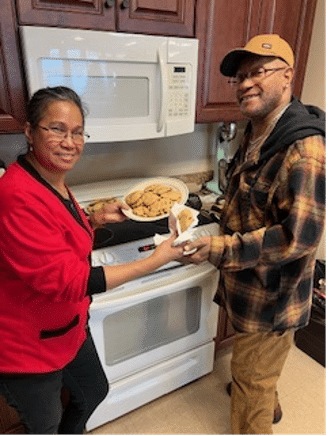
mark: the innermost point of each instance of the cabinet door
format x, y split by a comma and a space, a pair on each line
293, 21
221, 25
169, 17
84, 14
12, 102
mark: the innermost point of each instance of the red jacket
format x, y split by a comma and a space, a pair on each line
44, 270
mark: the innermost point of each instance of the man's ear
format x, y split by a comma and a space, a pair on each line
289, 75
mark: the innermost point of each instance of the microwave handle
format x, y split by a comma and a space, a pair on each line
163, 99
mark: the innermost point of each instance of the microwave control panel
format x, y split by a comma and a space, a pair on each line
179, 77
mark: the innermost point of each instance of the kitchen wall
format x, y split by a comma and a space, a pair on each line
314, 90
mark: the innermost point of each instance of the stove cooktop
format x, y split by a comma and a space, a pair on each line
120, 233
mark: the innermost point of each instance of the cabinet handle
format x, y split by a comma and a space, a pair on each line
125, 4
109, 4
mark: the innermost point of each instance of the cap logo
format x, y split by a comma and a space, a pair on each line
267, 46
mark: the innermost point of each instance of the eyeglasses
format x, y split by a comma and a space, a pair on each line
257, 75
60, 133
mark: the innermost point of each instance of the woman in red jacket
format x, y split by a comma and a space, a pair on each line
46, 277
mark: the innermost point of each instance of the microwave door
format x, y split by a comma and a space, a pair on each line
128, 103
122, 99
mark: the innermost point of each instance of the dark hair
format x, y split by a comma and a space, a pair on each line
39, 101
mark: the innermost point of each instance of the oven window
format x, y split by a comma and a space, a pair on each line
151, 324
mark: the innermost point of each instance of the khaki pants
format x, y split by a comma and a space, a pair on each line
256, 365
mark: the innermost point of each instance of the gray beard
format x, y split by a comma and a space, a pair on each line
261, 114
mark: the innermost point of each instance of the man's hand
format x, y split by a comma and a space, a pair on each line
202, 246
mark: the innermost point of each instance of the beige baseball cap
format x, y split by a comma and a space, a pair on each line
263, 45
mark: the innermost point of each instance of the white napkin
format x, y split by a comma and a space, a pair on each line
174, 226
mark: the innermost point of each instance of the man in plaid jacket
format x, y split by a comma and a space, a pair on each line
271, 225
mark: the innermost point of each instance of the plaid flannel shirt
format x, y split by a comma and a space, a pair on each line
271, 227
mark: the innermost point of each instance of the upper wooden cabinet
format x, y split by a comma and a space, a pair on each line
221, 26
158, 17
12, 98
169, 17
224, 25
293, 21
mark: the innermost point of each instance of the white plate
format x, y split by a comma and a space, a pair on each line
176, 184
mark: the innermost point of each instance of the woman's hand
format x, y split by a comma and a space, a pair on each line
166, 252
111, 213
116, 275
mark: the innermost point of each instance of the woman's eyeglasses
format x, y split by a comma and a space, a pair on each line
60, 133
257, 74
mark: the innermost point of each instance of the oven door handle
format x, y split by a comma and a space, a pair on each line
111, 301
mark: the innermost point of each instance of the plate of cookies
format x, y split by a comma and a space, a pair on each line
153, 199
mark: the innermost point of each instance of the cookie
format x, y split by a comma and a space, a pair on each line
148, 198
100, 203
172, 195
158, 189
133, 198
185, 219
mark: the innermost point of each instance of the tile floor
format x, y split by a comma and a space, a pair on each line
202, 407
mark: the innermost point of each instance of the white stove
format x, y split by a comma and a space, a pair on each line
156, 333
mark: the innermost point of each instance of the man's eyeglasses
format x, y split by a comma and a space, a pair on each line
60, 133
257, 75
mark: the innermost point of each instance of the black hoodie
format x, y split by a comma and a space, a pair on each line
297, 122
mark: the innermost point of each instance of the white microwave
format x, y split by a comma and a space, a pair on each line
134, 86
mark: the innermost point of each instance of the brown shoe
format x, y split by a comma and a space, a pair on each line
277, 414
228, 388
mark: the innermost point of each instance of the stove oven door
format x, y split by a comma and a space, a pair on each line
154, 319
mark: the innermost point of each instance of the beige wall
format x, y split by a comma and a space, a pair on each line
314, 89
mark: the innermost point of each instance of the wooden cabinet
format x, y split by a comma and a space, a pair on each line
169, 17
9, 420
12, 98
293, 21
224, 25
220, 26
